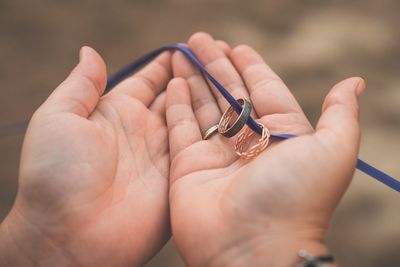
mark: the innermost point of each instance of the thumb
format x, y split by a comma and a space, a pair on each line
339, 123
81, 91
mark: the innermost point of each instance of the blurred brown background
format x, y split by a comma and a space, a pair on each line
311, 44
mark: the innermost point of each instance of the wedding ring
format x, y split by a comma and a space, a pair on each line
223, 125
213, 129
243, 142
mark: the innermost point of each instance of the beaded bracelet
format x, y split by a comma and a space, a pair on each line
311, 261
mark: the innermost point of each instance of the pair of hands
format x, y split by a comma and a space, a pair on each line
103, 179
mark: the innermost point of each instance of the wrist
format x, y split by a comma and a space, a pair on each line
270, 251
10, 253
24, 244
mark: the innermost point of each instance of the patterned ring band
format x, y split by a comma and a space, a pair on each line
230, 131
243, 143
213, 129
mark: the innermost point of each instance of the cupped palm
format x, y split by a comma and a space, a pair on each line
222, 205
94, 170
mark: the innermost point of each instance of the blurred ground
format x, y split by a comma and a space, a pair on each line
311, 44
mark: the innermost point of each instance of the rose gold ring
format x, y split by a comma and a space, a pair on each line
213, 129
244, 139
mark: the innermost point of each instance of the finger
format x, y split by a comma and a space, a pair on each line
219, 66
182, 125
158, 105
81, 91
224, 46
287, 123
205, 106
268, 93
339, 122
149, 82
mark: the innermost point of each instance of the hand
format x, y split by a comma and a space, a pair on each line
93, 185
226, 211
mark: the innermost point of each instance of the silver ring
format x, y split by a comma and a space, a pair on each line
213, 129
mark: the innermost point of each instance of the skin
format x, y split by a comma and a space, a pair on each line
96, 171
93, 184
226, 211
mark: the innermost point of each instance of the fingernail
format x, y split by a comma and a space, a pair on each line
360, 88
82, 52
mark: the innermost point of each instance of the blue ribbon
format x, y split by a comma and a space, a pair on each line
134, 66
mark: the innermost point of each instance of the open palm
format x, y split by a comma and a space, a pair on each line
93, 188
223, 206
